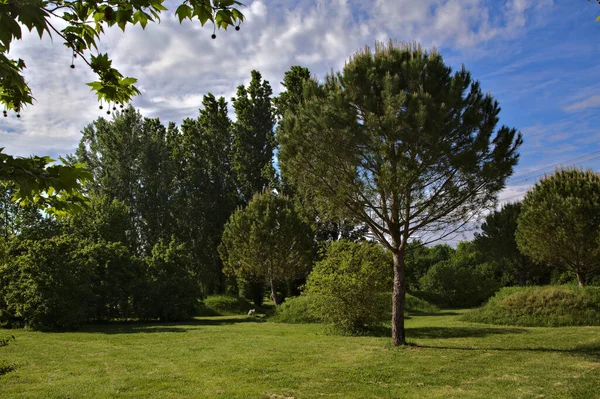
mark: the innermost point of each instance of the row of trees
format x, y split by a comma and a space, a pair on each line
396, 144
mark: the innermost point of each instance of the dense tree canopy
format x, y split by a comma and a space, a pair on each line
559, 224
267, 240
497, 240
401, 143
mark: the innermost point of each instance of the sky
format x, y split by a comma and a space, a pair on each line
538, 58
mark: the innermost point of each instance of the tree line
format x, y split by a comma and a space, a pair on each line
397, 148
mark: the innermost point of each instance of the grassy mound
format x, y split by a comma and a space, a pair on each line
541, 306
418, 305
225, 305
297, 310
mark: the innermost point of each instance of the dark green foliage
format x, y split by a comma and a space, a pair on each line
420, 258
206, 194
460, 281
559, 224
401, 143
498, 245
171, 292
251, 290
457, 286
349, 285
224, 305
268, 240
104, 219
253, 137
45, 284
541, 306
115, 274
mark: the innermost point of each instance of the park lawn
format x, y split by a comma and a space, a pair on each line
238, 357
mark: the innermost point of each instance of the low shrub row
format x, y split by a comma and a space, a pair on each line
550, 306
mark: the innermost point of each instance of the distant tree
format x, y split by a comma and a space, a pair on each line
461, 281
267, 240
559, 224
420, 258
498, 244
400, 143
253, 137
133, 161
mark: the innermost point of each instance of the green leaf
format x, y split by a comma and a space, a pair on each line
184, 11
204, 13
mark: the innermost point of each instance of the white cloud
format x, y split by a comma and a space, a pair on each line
590, 102
177, 64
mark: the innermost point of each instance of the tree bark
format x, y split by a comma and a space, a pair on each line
522, 279
398, 298
580, 278
274, 295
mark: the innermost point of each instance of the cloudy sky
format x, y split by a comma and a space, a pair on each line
539, 58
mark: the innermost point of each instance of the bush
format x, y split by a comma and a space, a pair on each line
171, 291
225, 305
114, 272
457, 285
541, 306
347, 285
45, 284
296, 310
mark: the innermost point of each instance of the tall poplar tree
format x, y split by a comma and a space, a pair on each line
207, 192
253, 137
401, 143
131, 158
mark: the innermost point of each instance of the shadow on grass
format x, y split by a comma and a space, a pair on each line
163, 327
589, 351
436, 313
459, 332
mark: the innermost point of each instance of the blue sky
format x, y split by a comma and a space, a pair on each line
538, 58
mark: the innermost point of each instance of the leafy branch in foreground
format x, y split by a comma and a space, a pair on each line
54, 188
85, 22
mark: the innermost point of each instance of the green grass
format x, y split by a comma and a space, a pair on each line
550, 306
240, 357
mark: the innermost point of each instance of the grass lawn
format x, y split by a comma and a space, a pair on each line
229, 357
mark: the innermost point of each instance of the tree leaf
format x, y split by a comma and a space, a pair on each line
184, 11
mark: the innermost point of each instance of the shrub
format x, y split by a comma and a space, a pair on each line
171, 291
45, 284
114, 272
541, 306
296, 310
347, 285
224, 305
457, 285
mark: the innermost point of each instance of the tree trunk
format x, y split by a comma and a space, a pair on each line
522, 279
274, 295
398, 299
580, 278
